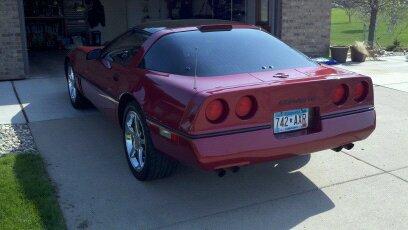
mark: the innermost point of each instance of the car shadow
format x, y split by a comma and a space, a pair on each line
285, 196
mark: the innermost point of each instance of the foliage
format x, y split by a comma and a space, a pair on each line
396, 46
348, 6
345, 33
361, 47
369, 10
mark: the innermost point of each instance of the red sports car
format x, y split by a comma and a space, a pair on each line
219, 95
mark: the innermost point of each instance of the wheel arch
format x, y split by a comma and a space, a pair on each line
67, 61
123, 101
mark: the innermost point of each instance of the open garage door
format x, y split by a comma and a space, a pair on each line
53, 27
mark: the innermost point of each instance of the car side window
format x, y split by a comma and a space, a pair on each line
126, 46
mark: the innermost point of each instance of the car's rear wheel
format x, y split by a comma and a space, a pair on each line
145, 162
78, 101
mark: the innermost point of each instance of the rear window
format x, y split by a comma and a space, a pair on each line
222, 53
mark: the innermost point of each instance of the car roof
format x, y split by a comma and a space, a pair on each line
154, 26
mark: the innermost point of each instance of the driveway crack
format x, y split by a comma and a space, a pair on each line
384, 171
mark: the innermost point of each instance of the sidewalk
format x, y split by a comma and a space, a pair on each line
390, 72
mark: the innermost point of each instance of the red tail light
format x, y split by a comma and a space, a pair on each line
360, 91
340, 94
246, 107
216, 111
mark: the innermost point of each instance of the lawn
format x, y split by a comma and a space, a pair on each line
345, 33
27, 197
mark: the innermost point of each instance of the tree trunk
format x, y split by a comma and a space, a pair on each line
373, 22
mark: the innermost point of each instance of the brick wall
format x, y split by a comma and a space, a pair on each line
306, 25
11, 54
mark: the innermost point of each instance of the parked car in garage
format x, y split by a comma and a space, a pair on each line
218, 95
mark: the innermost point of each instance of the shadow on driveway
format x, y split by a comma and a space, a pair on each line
87, 162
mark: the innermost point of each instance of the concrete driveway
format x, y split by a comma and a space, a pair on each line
362, 188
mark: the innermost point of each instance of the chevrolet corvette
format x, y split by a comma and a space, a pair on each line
218, 95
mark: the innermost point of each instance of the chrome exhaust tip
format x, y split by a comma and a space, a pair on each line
221, 172
349, 146
338, 149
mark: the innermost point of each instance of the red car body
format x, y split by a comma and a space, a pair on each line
175, 107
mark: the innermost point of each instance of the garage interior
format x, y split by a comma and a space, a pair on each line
53, 27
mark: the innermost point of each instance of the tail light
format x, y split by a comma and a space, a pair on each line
360, 91
340, 94
216, 111
246, 107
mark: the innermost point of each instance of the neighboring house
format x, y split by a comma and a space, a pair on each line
303, 24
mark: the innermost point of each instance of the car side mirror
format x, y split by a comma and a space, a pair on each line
94, 54
107, 61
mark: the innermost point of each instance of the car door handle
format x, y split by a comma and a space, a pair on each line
116, 77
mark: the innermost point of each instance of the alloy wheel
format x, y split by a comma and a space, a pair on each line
71, 84
135, 141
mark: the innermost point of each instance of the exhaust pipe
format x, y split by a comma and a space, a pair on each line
348, 147
221, 172
338, 149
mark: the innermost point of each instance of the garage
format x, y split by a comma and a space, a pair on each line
36, 34
54, 27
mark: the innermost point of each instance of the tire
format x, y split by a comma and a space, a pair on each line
138, 145
78, 101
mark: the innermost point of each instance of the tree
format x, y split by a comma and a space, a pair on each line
348, 6
372, 8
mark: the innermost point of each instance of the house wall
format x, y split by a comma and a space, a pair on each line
306, 25
11, 45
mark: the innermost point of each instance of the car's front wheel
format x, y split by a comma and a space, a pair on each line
77, 100
145, 162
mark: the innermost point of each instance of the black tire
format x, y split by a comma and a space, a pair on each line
156, 165
78, 101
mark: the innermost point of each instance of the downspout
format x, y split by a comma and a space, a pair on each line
278, 19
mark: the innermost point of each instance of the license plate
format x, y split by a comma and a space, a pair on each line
291, 120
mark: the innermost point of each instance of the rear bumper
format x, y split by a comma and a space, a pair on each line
245, 148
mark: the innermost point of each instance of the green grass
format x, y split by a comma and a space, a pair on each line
345, 33
27, 198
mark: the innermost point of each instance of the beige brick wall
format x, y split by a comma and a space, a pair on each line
11, 54
306, 25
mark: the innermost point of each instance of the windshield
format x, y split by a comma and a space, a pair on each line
222, 53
